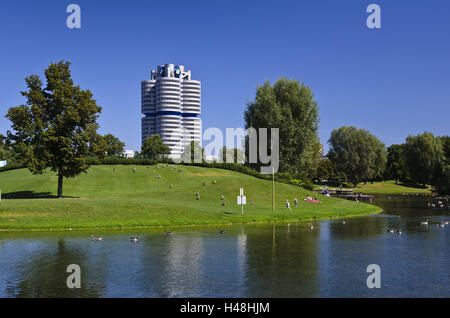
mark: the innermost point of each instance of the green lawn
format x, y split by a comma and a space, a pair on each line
388, 187
104, 198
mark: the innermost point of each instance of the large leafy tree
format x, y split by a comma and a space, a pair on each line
105, 146
445, 142
289, 106
114, 147
325, 170
443, 177
357, 153
154, 147
424, 157
395, 166
52, 130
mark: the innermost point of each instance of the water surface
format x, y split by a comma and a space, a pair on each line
283, 260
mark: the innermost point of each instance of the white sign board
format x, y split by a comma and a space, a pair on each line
241, 200
2, 163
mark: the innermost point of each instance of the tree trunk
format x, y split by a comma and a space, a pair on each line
60, 185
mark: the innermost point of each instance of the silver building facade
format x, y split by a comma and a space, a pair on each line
171, 104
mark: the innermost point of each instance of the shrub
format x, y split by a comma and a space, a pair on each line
12, 167
121, 161
306, 184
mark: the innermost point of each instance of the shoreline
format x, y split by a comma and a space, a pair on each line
4, 230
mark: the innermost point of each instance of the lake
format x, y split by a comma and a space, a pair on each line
282, 260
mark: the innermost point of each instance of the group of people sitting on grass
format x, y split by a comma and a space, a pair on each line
308, 199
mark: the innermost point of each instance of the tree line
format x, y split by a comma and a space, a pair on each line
57, 127
355, 155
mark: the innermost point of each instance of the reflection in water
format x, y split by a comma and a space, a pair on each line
184, 266
282, 263
45, 267
283, 260
242, 256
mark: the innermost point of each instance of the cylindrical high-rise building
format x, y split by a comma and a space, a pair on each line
171, 104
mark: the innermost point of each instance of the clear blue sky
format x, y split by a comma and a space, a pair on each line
393, 81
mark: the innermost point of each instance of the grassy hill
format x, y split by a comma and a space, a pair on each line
115, 196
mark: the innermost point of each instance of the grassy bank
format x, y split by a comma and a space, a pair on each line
104, 198
388, 187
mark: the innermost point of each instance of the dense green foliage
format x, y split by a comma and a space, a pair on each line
443, 178
105, 146
431, 155
97, 146
291, 107
6, 152
423, 157
325, 170
154, 148
55, 126
395, 165
357, 153
115, 196
114, 147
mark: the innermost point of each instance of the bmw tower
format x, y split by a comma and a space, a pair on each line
171, 105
